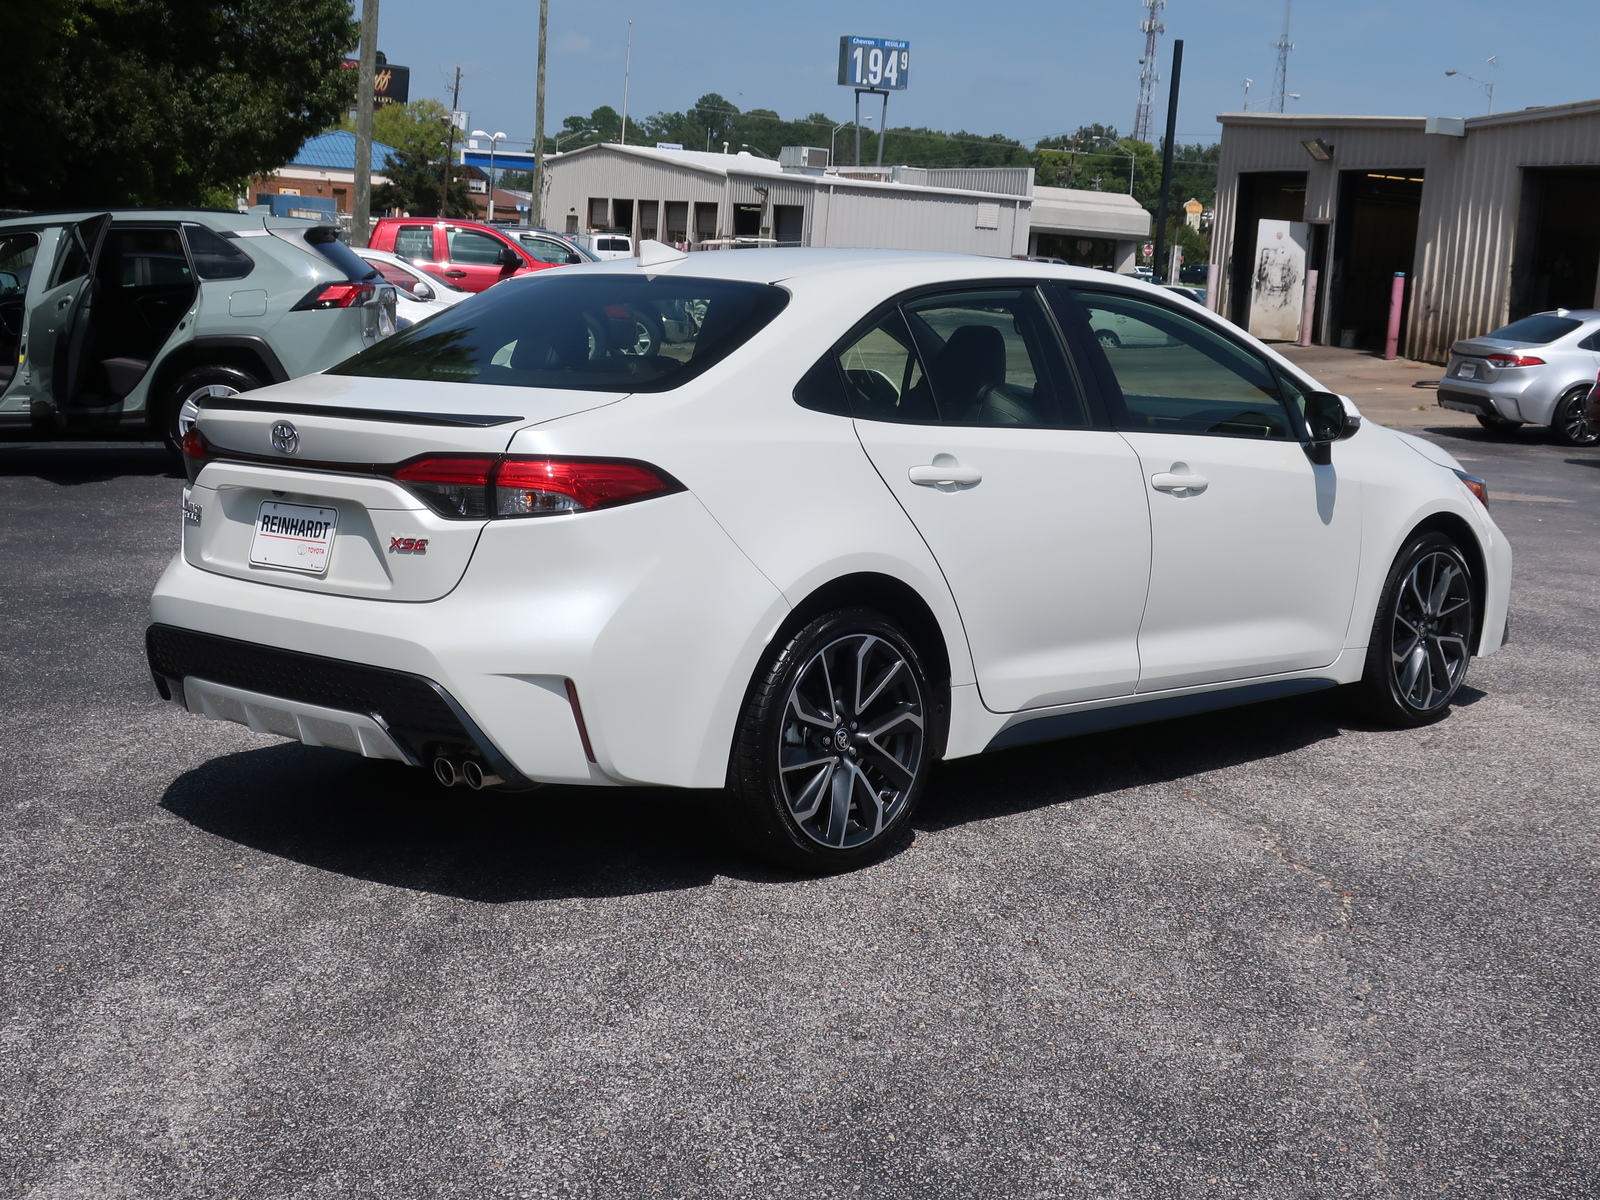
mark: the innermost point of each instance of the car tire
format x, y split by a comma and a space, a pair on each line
178, 411
834, 744
1421, 643
1570, 423
1496, 424
1107, 339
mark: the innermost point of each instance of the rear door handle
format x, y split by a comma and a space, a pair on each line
948, 473
1178, 481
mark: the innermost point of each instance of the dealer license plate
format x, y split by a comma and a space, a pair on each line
1467, 371
293, 537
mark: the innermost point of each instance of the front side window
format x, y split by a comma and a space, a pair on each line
414, 241
474, 249
544, 250
17, 252
1177, 375
558, 329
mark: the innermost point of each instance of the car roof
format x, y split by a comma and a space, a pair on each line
213, 218
774, 265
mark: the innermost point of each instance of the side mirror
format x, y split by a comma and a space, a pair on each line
574, 260
509, 257
1330, 419
422, 291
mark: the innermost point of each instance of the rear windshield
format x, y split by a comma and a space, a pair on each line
605, 332
1536, 330
325, 241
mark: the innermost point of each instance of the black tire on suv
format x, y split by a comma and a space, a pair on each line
176, 412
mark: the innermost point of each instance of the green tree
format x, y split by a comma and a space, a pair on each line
415, 181
420, 127
163, 101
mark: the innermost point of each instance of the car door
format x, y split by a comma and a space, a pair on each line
474, 258
1254, 548
58, 327
970, 411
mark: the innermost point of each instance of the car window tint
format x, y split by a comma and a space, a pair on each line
1178, 376
1592, 342
414, 241
994, 359
71, 258
401, 278
17, 252
472, 248
1538, 330
544, 250
216, 257
564, 329
883, 374
613, 244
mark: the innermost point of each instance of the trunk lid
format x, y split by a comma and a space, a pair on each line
252, 502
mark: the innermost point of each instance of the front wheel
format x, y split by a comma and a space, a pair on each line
182, 406
1422, 636
835, 744
1570, 422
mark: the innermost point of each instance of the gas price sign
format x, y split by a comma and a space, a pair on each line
874, 63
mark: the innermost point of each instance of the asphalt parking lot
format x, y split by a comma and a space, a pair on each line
1265, 952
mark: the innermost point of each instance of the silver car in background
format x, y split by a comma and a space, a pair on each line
1536, 371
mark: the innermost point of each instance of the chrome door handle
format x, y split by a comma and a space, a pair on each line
1170, 481
946, 474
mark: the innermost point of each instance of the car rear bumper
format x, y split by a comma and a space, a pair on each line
1478, 403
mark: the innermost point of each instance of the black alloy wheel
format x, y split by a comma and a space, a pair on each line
1570, 422
835, 744
182, 405
1497, 424
1421, 641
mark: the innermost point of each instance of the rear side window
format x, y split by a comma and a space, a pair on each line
1538, 330
607, 333
403, 280
216, 257
613, 243
325, 242
414, 241
72, 260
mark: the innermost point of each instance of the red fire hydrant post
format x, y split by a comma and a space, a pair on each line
1397, 301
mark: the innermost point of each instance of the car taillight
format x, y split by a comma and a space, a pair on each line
337, 295
1513, 360
451, 485
468, 487
196, 453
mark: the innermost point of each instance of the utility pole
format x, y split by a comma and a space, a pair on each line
627, 69
1166, 158
536, 204
450, 144
361, 200
1153, 29
1280, 78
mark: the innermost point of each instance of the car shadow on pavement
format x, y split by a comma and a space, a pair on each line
393, 825
67, 464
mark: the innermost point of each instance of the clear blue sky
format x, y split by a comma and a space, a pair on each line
1025, 68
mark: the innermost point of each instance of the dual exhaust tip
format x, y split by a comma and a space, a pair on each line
469, 771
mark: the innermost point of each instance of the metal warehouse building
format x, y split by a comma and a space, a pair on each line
1490, 218
691, 197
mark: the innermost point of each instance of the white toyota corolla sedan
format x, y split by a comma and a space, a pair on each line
796, 523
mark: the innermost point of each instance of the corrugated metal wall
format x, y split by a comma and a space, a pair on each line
910, 220
1467, 226
603, 174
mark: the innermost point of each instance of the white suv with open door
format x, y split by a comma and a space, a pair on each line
126, 320
850, 513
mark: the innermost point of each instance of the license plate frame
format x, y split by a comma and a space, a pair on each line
293, 537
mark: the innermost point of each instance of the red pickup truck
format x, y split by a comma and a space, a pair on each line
470, 255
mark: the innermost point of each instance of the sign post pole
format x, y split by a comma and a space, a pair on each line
876, 66
361, 198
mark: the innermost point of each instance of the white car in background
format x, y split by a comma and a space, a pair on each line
419, 293
604, 246
553, 248
850, 512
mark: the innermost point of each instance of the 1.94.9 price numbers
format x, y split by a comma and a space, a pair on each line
874, 63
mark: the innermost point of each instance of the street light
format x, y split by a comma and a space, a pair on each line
560, 137
494, 139
1488, 87
1131, 161
831, 134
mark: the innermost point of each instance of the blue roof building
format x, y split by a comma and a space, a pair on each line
336, 151
324, 166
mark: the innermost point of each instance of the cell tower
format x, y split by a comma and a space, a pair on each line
1280, 79
1153, 28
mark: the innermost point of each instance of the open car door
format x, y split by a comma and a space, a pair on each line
58, 330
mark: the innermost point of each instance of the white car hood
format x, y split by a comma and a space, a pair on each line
1428, 450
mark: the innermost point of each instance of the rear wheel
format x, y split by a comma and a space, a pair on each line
1496, 424
1570, 422
182, 406
1422, 636
833, 749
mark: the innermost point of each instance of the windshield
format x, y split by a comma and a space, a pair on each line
1538, 330
605, 331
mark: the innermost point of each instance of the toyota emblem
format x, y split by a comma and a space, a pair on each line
285, 438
